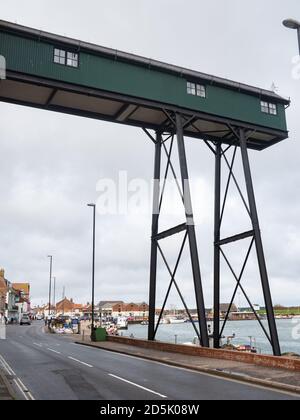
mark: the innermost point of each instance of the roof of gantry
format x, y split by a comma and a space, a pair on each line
150, 63
75, 99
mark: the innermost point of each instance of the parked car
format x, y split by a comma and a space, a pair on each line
25, 320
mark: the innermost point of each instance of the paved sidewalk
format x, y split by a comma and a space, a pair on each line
277, 378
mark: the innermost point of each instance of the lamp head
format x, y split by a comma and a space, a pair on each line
291, 24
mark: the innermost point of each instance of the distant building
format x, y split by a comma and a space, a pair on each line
23, 298
248, 309
8, 298
87, 310
14, 298
68, 308
24, 288
22, 304
131, 310
39, 310
44, 310
12, 312
105, 307
224, 308
3, 293
242, 316
108, 302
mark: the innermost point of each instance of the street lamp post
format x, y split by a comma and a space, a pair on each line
293, 24
93, 271
50, 283
54, 294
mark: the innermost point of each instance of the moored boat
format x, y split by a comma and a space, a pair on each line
176, 320
122, 323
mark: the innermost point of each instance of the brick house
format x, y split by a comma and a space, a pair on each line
131, 310
69, 308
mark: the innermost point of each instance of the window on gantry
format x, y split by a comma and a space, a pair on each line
268, 108
59, 56
66, 58
201, 91
273, 109
72, 59
191, 88
196, 89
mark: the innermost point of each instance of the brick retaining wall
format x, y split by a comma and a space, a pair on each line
260, 360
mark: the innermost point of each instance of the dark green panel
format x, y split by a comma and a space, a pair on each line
36, 57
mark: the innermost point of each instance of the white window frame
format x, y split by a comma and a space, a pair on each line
191, 88
196, 89
66, 58
268, 108
273, 109
201, 91
59, 56
264, 106
72, 59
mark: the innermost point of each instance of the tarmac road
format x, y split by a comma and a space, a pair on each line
51, 367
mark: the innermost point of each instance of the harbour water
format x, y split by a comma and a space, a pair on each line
288, 330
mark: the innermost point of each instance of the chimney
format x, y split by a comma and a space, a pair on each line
2, 272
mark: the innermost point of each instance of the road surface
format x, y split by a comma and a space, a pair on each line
51, 367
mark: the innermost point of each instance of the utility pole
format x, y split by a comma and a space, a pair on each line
50, 281
63, 299
54, 294
93, 271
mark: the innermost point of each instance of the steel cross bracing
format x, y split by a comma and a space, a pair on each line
174, 126
249, 203
165, 143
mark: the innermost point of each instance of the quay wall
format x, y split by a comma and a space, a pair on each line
292, 364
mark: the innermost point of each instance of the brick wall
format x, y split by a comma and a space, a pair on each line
260, 360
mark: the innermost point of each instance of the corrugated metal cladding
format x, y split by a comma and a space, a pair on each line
35, 57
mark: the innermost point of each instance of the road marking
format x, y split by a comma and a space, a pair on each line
79, 361
24, 391
39, 345
136, 385
197, 372
7, 367
54, 351
19, 384
20, 389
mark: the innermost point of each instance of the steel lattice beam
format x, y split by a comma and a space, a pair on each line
179, 122
250, 205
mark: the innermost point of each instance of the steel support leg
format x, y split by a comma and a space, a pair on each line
191, 233
216, 246
259, 246
155, 218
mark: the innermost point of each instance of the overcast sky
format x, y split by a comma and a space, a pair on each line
51, 163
